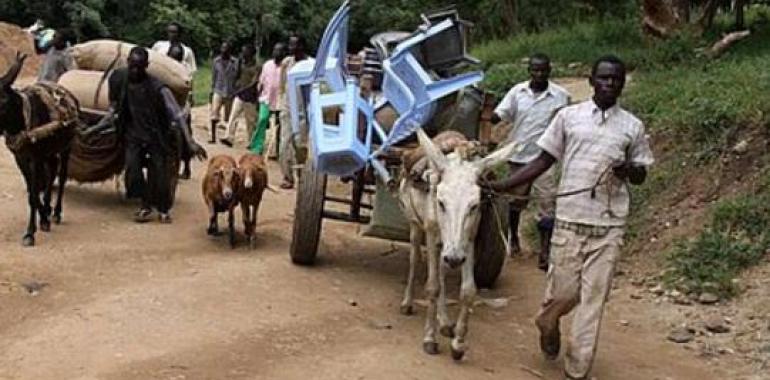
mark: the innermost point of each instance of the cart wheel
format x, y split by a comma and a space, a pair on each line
490, 247
308, 212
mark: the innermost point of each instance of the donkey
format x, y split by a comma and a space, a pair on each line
447, 213
38, 123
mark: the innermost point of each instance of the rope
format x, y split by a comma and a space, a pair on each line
603, 179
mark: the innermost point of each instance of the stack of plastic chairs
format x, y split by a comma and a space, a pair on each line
344, 146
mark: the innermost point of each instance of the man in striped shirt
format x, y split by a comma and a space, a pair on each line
596, 142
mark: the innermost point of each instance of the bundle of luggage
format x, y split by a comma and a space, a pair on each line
98, 157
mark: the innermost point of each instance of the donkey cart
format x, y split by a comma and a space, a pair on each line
362, 118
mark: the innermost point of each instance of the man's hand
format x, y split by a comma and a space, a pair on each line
198, 151
634, 174
493, 186
621, 171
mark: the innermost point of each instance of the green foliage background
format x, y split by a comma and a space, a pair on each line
207, 22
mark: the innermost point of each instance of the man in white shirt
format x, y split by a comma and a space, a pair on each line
529, 107
173, 32
287, 155
596, 142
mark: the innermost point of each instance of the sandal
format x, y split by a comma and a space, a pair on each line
142, 215
286, 185
165, 218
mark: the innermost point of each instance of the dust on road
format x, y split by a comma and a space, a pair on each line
127, 301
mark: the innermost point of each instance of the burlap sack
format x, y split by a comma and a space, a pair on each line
83, 84
102, 55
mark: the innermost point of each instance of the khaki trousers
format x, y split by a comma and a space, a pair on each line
219, 102
249, 111
287, 155
580, 277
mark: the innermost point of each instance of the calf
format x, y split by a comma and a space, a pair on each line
220, 192
253, 173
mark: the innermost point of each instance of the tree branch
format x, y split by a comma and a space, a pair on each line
728, 40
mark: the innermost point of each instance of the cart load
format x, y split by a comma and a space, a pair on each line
108, 55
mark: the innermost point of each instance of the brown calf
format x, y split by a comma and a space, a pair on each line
220, 192
253, 173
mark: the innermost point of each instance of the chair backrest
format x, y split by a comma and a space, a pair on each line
332, 50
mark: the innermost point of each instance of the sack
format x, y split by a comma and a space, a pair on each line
84, 85
104, 55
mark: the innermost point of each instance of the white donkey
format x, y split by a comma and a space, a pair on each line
447, 213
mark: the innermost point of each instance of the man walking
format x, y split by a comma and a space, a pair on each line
224, 74
529, 107
245, 95
596, 142
268, 87
58, 60
146, 111
174, 34
287, 155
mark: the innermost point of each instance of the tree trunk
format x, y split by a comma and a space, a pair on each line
740, 20
659, 17
258, 34
682, 8
707, 17
510, 16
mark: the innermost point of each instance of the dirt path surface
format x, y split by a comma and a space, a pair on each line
124, 301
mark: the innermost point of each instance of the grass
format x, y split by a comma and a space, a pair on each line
202, 84
696, 109
737, 237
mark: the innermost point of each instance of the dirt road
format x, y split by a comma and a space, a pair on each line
127, 301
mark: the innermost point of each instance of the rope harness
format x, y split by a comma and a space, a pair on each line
61, 105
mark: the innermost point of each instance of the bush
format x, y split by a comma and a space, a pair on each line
737, 237
202, 84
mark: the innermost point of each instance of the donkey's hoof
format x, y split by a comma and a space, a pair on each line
457, 355
430, 348
407, 309
253, 241
57, 219
212, 231
45, 226
28, 241
448, 331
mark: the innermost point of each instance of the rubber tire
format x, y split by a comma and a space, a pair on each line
489, 246
308, 214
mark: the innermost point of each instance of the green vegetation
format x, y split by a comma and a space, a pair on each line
202, 84
697, 109
736, 238
267, 21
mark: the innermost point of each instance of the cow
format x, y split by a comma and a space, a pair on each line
220, 192
253, 174
444, 210
39, 123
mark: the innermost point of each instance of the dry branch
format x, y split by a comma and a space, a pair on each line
728, 40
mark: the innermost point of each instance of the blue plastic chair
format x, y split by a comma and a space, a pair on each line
411, 89
329, 66
337, 147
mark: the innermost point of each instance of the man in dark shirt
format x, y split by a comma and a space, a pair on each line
146, 111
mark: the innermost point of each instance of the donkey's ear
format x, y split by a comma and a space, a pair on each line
431, 150
498, 156
10, 76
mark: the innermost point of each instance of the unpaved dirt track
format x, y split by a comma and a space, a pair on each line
127, 301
